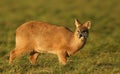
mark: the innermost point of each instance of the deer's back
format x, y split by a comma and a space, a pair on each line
43, 35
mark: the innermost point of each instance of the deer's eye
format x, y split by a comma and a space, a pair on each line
83, 31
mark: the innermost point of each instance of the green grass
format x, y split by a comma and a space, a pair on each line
101, 54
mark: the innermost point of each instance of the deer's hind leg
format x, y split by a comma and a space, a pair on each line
16, 53
33, 57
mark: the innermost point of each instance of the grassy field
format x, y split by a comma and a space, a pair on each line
101, 55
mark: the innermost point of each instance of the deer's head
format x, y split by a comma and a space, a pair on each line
82, 30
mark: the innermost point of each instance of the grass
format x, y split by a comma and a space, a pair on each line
101, 55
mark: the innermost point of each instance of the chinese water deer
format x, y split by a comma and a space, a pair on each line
38, 37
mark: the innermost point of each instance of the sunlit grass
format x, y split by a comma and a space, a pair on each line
101, 55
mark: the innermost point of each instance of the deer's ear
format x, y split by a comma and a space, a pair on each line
87, 24
77, 23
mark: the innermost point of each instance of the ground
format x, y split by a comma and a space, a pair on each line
101, 54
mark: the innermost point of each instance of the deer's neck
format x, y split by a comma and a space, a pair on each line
75, 44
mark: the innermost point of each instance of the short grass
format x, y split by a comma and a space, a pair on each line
101, 55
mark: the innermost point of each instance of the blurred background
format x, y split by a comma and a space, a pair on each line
99, 56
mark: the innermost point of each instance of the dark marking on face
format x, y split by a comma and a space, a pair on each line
83, 32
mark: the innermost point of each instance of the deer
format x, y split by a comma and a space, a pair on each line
35, 37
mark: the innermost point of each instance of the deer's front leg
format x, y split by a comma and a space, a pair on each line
62, 57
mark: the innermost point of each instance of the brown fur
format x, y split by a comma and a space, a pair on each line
38, 37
